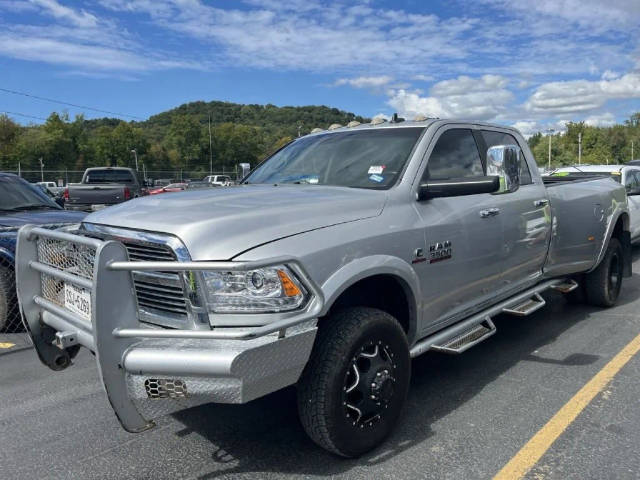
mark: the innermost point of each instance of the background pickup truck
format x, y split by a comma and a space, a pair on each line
102, 186
340, 258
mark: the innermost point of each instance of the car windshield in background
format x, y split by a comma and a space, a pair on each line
614, 175
16, 194
361, 159
109, 176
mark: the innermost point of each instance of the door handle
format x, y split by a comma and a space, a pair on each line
540, 203
489, 212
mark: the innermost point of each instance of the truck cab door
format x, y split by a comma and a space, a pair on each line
460, 266
526, 219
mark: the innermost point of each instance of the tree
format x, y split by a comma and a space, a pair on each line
184, 137
9, 134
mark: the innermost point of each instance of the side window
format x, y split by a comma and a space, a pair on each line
499, 138
455, 155
632, 180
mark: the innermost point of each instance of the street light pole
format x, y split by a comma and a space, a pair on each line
135, 154
210, 149
41, 170
550, 131
579, 148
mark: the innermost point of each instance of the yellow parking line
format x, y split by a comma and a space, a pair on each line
535, 448
6, 345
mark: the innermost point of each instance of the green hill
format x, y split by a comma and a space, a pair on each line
171, 140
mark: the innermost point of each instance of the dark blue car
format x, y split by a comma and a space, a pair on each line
21, 203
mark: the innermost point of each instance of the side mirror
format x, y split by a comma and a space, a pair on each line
455, 187
504, 161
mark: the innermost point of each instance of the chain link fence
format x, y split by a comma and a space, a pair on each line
64, 177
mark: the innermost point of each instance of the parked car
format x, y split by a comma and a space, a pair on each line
220, 180
627, 175
22, 203
173, 187
197, 185
59, 199
162, 182
101, 187
52, 187
341, 257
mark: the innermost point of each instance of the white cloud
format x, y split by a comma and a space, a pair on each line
614, 14
423, 78
602, 120
527, 128
365, 82
77, 55
481, 98
582, 95
610, 75
80, 18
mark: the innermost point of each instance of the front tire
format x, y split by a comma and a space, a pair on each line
602, 285
354, 386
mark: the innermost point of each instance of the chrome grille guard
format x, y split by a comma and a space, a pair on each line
114, 327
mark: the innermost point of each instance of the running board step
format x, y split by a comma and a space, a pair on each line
527, 307
468, 338
566, 286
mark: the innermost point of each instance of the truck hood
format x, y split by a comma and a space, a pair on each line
220, 223
39, 217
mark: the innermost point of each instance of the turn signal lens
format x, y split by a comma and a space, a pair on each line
290, 288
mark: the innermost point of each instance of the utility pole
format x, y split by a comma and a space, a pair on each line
579, 148
135, 154
41, 170
631, 149
210, 149
549, 132
19, 172
299, 129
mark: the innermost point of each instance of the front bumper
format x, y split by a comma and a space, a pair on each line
146, 371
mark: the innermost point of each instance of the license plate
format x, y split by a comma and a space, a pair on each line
98, 206
78, 300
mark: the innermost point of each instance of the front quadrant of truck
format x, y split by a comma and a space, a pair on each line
339, 258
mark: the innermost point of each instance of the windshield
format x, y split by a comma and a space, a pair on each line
16, 194
108, 176
361, 159
614, 175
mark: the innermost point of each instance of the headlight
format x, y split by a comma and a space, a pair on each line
263, 290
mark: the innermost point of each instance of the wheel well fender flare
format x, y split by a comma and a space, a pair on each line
365, 267
622, 216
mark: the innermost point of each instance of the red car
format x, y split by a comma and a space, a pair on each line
172, 187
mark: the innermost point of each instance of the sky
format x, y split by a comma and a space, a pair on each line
530, 64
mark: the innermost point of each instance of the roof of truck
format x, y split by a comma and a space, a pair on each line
404, 124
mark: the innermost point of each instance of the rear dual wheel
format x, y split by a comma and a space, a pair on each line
355, 384
601, 287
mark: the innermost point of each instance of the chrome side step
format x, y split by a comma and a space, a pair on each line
460, 336
467, 339
568, 286
527, 307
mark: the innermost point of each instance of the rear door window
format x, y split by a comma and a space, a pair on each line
455, 155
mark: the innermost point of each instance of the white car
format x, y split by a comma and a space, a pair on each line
221, 180
627, 175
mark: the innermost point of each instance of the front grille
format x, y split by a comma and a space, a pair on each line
157, 292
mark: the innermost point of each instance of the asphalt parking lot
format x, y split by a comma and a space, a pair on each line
466, 416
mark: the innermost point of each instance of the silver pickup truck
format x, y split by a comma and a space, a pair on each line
340, 258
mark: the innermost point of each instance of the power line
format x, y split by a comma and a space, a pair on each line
14, 92
22, 115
